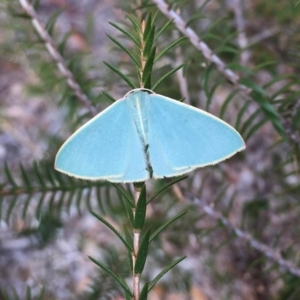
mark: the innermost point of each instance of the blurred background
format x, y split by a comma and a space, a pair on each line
47, 232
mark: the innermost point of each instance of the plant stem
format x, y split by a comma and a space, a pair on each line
59, 60
136, 243
143, 59
201, 46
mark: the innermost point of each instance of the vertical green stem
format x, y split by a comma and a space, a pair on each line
136, 243
143, 59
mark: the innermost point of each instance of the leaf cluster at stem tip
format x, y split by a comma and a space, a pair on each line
143, 36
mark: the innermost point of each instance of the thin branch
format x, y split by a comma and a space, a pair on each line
23, 190
263, 35
259, 246
56, 56
183, 86
237, 7
136, 245
201, 46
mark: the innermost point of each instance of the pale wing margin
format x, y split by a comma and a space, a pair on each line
105, 148
183, 138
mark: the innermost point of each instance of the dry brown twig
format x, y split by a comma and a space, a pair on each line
201, 46
56, 56
257, 245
